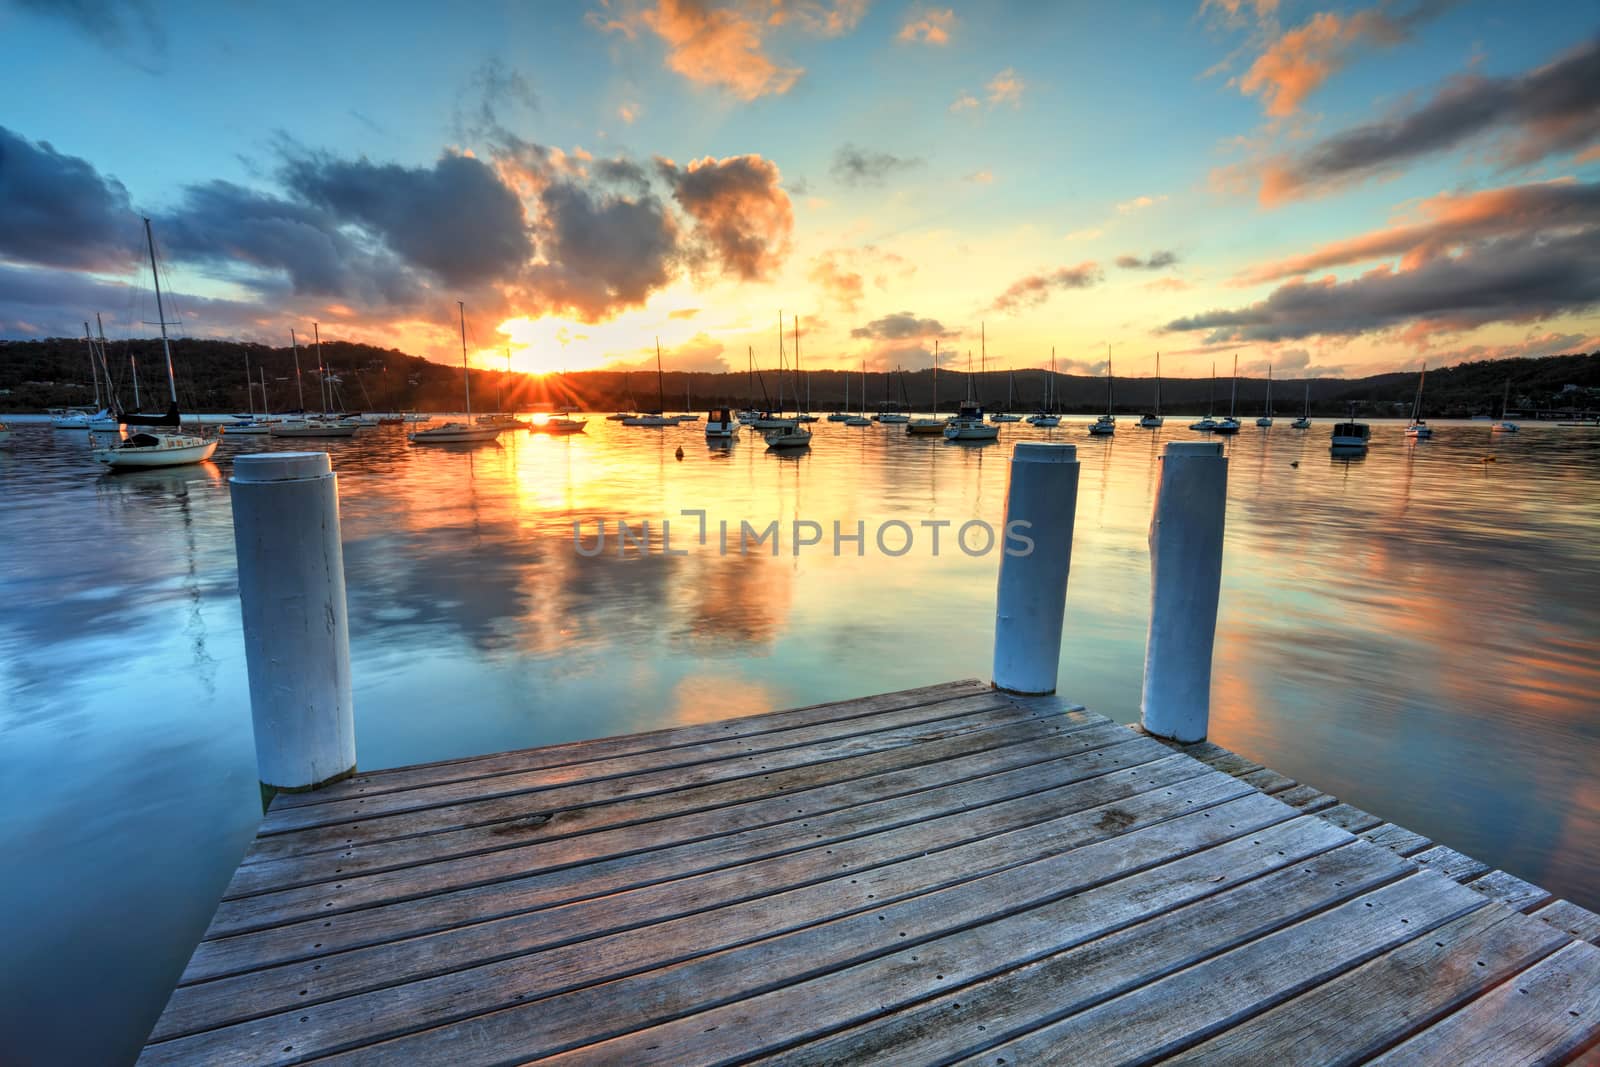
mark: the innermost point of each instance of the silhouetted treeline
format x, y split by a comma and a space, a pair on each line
211, 377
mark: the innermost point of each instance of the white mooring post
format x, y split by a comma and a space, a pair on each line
296, 625
1185, 578
1032, 597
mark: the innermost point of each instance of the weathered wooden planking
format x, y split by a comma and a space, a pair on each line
922, 997
541, 875
1306, 798
1350, 817
1510, 890
503, 808
1540, 1016
371, 783
1268, 781
659, 766
1397, 839
585, 1015
364, 1018
1450, 863
1166, 1016
1380, 1003
609, 905
273, 908
1567, 917
1009, 742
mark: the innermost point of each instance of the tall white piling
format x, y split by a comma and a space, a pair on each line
1185, 578
1030, 605
296, 625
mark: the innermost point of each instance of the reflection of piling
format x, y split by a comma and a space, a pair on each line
1032, 596
1185, 577
296, 623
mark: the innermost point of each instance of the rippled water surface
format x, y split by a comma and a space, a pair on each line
1414, 631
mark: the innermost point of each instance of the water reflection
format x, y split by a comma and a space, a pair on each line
1412, 629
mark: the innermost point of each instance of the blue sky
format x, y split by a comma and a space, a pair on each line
1022, 149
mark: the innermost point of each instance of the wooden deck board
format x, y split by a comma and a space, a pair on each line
937, 874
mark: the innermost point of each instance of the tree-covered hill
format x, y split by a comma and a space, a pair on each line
54, 372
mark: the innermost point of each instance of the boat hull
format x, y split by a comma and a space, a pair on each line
313, 429
455, 434
1150, 422
1503, 427
925, 426
173, 451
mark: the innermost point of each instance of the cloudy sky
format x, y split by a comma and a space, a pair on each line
1329, 188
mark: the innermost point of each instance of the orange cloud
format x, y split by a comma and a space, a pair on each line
1298, 62
720, 47
1447, 221
1006, 88
820, 19
743, 218
931, 26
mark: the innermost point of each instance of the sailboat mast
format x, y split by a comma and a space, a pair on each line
780, 361
249, 393
466, 372
1269, 390
1108, 379
661, 390
983, 349
94, 371
166, 346
111, 399
936, 376
299, 386
1158, 383
1233, 392
322, 371
133, 372
797, 369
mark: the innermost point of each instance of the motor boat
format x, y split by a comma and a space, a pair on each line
313, 428
721, 425
1350, 437
969, 425
1104, 426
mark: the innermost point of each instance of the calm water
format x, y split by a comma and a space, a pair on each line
1414, 631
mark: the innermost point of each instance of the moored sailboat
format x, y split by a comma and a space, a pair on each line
1266, 418
1230, 424
1418, 428
1106, 424
1152, 420
934, 424
158, 449
1505, 425
458, 432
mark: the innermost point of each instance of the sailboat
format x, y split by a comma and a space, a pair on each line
1505, 425
776, 420
968, 424
1011, 401
150, 449
860, 417
658, 417
1230, 424
1304, 421
458, 432
1209, 424
934, 424
250, 425
1106, 424
106, 419
310, 425
1152, 420
1418, 427
784, 433
843, 414
1266, 419
1047, 416
804, 413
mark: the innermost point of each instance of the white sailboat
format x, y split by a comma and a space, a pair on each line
1047, 418
1304, 421
1208, 424
860, 417
1106, 424
1011, 401
1505, 425
150, 448
1266, 419
935, 424
968, 424
458, 432
1152, 420
658, 417
1418, 428
309, 425
251, 426
1230, 424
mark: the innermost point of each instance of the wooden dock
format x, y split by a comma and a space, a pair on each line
941, 875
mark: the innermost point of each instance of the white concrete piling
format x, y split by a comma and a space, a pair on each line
1030, 605
296, 624
1185, 578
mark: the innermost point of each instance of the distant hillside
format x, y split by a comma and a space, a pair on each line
35, 375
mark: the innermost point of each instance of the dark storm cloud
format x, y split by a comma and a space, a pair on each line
902, 326
59, 211
601, 252
1519, 279
1034, 289
742, 216
860, 166
456, 219
1155, 261
49, 303
226, 226
1552, 109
